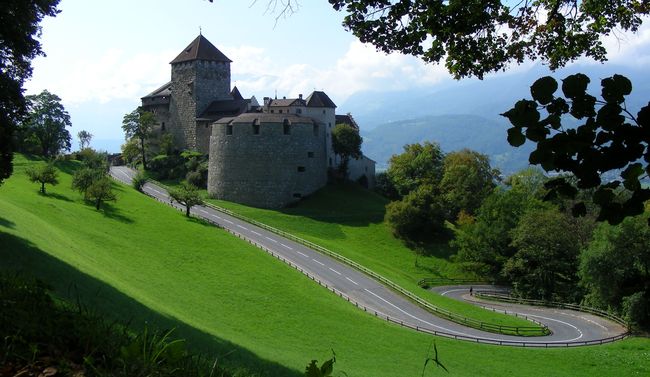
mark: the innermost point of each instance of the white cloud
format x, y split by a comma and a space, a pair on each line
111, 76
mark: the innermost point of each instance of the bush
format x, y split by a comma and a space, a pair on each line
636, 310
196, 179
139, 180
167, 167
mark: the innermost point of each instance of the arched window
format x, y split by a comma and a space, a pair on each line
315, 129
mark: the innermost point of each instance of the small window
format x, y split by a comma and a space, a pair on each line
286, 126
310, 154
323, 111
272, 111
229, 129
206, 125
298, 111
330, 161
297, 195
163, 126
330, 125
301, 169
315, 129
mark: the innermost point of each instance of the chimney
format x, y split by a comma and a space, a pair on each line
300, 96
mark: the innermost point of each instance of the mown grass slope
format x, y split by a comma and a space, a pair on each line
143, 261
349, 220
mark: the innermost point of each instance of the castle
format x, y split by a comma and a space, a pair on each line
266, 155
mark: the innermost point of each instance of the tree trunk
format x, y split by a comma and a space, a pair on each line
187, 210
43, 188
98, 203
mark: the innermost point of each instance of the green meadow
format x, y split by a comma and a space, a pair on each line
142, 262
349, 220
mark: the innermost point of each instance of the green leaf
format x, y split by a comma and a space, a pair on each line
542, 90
615, 88
575, 85
537, 134
327, 368
312, 370
603, 196
515, 137
523, 114
631, 176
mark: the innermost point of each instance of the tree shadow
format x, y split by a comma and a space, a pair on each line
112, 212
20, 255
57, 196
7, 223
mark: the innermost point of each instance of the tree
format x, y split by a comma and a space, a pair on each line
43, 174
616, 266
346, 142
131, 152
100, 191
545, 265
84, 139
485, 244
139, 124
84, 178
467, 179
418, 218
187, 195
19, 30
610, 139
419, 164
477, 37
46, 124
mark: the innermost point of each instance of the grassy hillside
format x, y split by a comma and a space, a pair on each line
350, 221
142, 261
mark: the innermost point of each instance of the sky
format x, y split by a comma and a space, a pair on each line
102, 56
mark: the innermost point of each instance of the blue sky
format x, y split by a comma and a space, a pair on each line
103, 56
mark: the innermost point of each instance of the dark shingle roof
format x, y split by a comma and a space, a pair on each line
319, 99
165, 90
201, 49
284, 102
347, 119
266, 118
227, 108
235, 94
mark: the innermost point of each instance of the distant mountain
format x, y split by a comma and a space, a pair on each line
465, 114
452, 132
487, 98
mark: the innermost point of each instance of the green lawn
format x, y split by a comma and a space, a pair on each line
143, 261
350, 221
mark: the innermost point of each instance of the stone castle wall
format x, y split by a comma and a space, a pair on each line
268, 170
195, 84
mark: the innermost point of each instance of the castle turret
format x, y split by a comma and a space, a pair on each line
200, 75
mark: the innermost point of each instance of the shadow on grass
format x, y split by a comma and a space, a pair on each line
7, 223
18, 254
54, 195
112, 212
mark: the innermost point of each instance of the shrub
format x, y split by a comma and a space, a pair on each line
139, 180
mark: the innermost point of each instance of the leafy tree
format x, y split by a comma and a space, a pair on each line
384, 186
139, 180
131, 151
139, 124
467, 180
418, 218
43, 174
187, 195
419, 164
346, 142
616, 266
477, 37
484, 245
84, 178
611, 139
46, 124
530, 180
84, 139
100, 191
545, 265
19, 30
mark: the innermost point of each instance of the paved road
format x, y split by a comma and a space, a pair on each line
372, 294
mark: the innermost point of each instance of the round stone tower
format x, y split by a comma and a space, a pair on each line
266, 160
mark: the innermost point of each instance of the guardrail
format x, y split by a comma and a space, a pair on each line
432, 282
513, 343
469, 322
539, 330
500, 296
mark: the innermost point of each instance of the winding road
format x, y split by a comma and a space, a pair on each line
569, 328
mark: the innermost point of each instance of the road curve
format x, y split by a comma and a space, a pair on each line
366, 292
